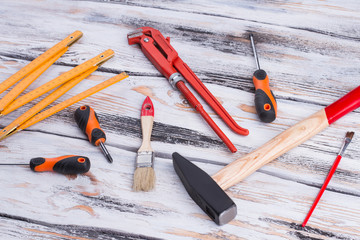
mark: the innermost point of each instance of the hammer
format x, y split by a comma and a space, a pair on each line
208, 192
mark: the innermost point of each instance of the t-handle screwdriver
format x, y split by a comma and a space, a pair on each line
265, 102
69, 164
88, 121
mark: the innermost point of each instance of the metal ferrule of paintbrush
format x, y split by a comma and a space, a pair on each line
346, 142
145, 159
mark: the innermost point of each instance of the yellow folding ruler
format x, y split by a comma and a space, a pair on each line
34, 69
26, 121
68, 80
90, 65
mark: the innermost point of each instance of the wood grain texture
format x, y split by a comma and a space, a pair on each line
147, 123
282, 143
309, 48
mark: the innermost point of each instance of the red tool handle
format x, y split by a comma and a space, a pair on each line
292, 137
205, 93
344, 105
322, 190
69, 164
147, 108
197, 105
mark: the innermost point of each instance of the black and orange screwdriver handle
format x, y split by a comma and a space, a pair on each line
70, 164
88, 121
265, 102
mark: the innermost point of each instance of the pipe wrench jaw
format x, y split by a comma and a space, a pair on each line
158, 50
134, 37
139, 34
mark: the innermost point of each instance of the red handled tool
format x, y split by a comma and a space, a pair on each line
158, 50
88, 122
69, 164
347, 140
265, 102
236, 171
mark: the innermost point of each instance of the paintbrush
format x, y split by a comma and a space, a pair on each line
347, 140
144, 175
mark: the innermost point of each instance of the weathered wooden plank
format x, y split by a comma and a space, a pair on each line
279, 39
303, 46
107, 203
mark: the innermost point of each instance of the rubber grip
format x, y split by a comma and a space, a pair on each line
88, 121
70, 164
265, 102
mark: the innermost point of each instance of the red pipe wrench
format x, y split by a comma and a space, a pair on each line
158, 50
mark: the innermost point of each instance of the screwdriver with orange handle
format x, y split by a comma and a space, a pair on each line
69, 164
88, 121
265, 102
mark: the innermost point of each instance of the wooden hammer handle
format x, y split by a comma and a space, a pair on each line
292, 137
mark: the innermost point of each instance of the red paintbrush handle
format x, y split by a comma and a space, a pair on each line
322, 190
147, 108
197, 105
344, 105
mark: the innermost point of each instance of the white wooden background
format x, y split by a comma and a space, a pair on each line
310, 50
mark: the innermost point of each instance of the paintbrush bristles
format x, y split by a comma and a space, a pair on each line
350, 135
144, 179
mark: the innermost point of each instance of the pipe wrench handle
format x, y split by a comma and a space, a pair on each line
198, 107
205, 93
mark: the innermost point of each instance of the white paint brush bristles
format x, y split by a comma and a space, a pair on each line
144, 175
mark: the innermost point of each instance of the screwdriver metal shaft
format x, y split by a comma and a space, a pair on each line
10, 164
105, 152
265, 102
254, 50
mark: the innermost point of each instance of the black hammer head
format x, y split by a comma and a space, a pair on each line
205, 191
